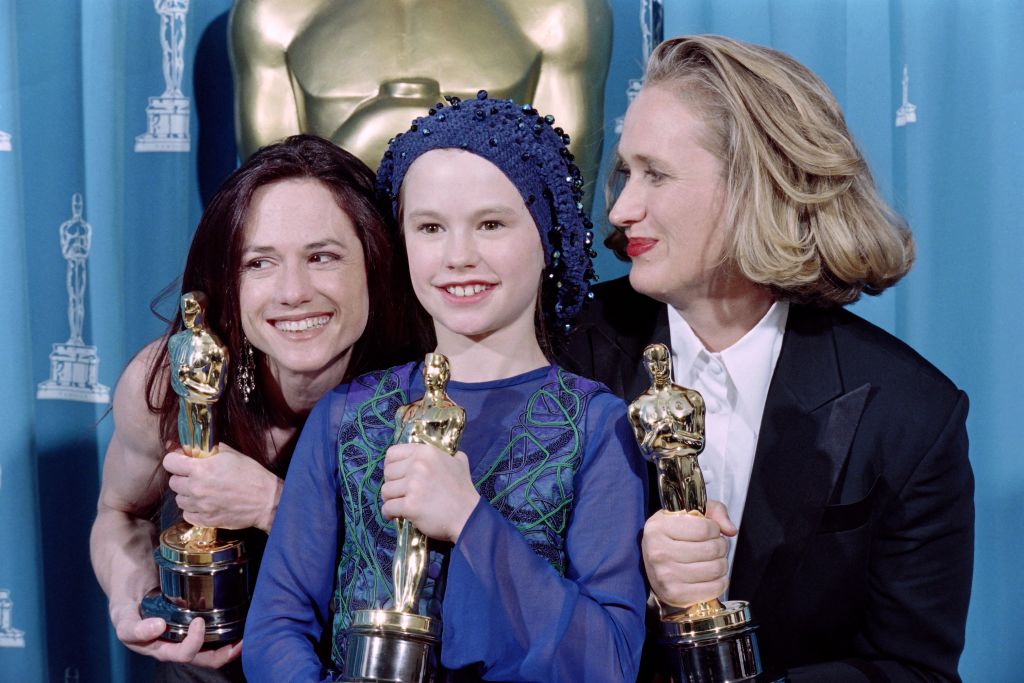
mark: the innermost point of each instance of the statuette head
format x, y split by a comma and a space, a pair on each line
193, 305
659, 363
436, 371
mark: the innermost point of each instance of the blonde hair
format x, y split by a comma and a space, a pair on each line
805, 215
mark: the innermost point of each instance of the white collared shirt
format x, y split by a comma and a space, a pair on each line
734, 383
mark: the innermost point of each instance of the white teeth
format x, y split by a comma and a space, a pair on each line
468, 290
302, 325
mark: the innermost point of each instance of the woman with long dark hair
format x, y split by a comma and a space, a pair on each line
294, 256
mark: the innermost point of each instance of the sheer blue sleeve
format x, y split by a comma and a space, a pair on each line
509, 614
290, 607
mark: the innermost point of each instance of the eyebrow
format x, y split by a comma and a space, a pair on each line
494, 210
643, 159
319, 244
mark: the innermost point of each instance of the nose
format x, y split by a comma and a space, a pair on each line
628, 207
295, 286
460, 249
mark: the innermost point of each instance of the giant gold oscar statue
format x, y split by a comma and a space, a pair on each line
398, 644
202, 573
357, 72
710, 641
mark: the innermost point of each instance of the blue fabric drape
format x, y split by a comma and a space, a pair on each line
954, 174
75, 83
21, 590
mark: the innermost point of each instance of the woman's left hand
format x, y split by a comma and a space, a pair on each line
430, 488
228, 490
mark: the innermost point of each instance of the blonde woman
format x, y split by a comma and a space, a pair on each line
836, 456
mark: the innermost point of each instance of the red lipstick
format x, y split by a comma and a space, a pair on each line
639, 245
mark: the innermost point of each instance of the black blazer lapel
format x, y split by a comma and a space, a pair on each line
634, 377
808, 426
621, 324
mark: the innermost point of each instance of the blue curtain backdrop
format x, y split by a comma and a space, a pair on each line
76, 79
955, 173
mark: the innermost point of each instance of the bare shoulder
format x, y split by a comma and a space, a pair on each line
133, 420
133, 478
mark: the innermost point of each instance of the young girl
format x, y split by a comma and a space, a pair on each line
535, 569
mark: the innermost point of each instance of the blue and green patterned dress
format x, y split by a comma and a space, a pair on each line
545, 582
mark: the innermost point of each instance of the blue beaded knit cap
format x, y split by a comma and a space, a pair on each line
535, 157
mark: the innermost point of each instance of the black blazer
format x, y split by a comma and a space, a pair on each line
856, 543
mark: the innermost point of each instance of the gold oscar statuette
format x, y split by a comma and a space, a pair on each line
710, 641
397, 644
358, 72
202, 573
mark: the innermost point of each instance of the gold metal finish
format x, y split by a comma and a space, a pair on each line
357, 72
436, 420
175, 547
398, 644
398, 622
668, 423
731, 616
201, 575
199, 363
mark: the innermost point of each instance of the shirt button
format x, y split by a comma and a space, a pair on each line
716, 369
713, 405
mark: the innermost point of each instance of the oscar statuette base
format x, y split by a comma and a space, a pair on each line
211, 582
717, 646
389, 646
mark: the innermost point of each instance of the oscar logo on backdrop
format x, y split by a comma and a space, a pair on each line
9, 636
74, 365
168, 114
652, 32
907, 113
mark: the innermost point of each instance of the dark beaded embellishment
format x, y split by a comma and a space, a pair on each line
544, 156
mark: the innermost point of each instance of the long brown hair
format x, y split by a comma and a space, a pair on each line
214, 265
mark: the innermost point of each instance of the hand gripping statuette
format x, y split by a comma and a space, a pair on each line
707, 642
202, 573
398, 644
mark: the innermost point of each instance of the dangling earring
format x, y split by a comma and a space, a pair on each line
245, 378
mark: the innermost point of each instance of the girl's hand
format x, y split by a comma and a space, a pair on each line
430, 488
